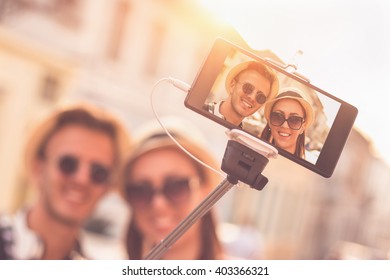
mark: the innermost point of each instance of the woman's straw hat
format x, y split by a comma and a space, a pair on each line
295, 94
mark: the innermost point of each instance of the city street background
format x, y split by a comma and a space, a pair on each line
111, 53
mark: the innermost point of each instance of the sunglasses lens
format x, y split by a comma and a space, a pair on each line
99, 174
261, 98
277, 119
247, 88
295, 122
68, 164
177, 190
139, 194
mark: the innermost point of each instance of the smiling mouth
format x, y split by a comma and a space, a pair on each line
247, 104
163, 224
75, 196
284, 134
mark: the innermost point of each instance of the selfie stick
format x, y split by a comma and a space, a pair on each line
244, 159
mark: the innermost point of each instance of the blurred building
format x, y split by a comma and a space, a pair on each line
304, 216
112, 53
107, 52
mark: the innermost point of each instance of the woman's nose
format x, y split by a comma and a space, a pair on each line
159, 200
285, 124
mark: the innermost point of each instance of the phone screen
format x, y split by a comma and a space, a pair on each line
239, 89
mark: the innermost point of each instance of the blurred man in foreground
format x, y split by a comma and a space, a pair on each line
73, 159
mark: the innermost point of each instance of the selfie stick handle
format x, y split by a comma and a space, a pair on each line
197, 213
244, 160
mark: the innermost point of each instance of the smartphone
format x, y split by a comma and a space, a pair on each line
316, 122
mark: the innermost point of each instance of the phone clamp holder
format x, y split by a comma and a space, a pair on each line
244, 159
288, 68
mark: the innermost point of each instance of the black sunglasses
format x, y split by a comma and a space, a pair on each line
248, 88
294, 122
98, 173
175, 190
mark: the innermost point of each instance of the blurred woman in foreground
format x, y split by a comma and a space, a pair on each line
162, 185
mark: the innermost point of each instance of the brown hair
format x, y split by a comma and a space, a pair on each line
76, 116
211, 247
299, 146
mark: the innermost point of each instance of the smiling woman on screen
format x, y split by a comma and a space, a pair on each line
288, 117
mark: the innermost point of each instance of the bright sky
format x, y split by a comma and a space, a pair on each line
345, 45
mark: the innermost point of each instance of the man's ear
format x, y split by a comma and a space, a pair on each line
232, 85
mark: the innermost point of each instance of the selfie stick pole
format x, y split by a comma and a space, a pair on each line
244, 160
198, 212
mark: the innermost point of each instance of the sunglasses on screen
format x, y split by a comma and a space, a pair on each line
248, 88
278, 119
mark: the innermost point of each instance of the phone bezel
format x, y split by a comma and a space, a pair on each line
338, 133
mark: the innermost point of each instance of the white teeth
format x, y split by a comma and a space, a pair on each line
247, 104
284, 134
